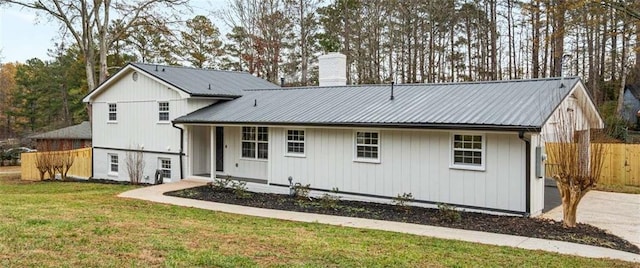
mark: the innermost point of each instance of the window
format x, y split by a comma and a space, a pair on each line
255, 142
368, 146
163, 111
113, 163
165, 166
468, 151
113, 112
295, 142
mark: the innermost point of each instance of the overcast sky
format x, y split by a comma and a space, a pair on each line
25, 35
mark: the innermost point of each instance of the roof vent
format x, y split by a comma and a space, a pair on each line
255, 102
209, 87
156, 68
391, 90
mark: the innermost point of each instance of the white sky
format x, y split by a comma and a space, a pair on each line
25, 35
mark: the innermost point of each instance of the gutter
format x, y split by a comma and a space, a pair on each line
181, 147
527, 144
377, 125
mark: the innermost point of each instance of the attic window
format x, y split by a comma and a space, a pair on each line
134, 76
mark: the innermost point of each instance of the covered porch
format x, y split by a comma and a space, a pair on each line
215, 151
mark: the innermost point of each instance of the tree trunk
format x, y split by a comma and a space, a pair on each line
494, 40
558, 38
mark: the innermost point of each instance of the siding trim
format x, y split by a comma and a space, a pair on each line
513, 212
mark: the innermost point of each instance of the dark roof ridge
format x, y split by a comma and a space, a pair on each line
188, 67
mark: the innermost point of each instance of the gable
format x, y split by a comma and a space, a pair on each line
189, 82
130, 84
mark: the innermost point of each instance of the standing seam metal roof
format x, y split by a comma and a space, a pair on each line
206, 82
517, 104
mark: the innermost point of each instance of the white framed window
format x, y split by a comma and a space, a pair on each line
295, 142
255, 142
367, 146
113, 164
113, 112
468, 151
165, 166
163, 111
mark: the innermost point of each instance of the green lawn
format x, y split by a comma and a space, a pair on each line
82, 224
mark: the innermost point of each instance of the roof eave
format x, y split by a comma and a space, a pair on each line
376, 125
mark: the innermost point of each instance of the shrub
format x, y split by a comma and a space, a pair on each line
302, 191
449, 213
330, 201
221, 184
240, 189
402, 201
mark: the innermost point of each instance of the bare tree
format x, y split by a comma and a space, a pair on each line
88, 23
63, 160
43, 164
135, 166
577, 160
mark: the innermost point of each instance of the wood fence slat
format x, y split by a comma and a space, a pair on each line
81, 165
621, 164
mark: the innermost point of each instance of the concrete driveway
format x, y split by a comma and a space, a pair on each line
615, 212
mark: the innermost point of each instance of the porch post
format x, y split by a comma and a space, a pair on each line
213, 153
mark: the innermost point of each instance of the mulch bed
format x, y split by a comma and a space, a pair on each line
445, 217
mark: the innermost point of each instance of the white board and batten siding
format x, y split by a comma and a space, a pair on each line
137, 125
235, 164
411, 161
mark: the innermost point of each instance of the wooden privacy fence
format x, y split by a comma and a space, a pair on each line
81, 165
621, 164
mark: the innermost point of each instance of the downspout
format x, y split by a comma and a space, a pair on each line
181, 147
527, 144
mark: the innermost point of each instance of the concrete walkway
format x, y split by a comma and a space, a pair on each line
155, 194
615, 212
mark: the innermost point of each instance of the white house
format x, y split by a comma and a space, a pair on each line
473, 145
132, 112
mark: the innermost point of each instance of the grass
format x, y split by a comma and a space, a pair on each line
82, 224
7, 169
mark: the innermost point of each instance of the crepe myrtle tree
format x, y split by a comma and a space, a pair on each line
577, 157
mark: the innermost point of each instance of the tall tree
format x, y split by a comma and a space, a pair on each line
200, 43
88, 22
7, 88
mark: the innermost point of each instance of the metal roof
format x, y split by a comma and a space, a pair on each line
80, 131
205, 82
515, 104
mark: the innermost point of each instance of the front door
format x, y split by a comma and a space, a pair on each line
220, 149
